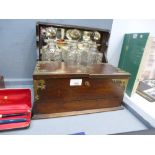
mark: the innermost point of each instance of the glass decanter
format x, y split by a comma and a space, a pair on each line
72, 54
82, 54
51, 51
44, 53
92, 56
57, 54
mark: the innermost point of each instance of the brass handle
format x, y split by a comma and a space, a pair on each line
38, 84
41, 84
87, 83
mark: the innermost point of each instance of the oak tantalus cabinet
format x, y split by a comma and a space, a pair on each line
62, 89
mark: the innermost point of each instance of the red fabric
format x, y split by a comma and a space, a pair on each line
14, 101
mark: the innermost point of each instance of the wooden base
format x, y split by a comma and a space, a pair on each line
72, 113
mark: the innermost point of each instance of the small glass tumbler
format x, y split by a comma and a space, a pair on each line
99, 58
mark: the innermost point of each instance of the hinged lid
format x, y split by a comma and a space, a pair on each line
60, 34
63, 70
15, 97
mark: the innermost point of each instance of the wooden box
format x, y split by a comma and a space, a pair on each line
62, 89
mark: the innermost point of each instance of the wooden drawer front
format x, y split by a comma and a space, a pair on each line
60, 89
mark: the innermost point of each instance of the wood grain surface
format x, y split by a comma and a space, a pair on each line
97, 90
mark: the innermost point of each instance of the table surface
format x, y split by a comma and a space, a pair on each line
91, 124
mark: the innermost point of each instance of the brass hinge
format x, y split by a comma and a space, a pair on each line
38, 84
121, 82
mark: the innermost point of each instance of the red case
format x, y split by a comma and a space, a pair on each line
14, 101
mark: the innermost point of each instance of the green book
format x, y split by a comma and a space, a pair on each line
132, 52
